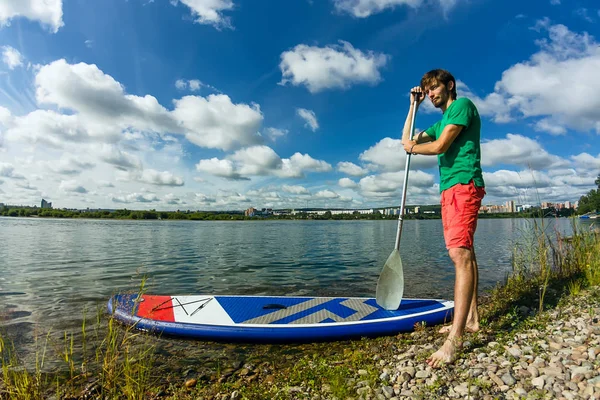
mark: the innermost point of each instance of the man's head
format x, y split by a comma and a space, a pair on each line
439, 85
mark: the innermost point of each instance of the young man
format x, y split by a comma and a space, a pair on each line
455, 139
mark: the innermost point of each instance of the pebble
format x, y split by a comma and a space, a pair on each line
560, 357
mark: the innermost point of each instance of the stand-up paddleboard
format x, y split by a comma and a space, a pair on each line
274, 319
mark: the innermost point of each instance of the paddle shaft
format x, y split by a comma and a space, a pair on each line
405, 184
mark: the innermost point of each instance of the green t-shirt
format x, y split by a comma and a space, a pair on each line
462, 161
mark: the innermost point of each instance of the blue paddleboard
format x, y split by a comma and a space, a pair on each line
274, 318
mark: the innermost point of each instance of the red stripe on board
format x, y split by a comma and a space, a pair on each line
158, 308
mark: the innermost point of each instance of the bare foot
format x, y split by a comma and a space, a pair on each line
470, 327
446, 354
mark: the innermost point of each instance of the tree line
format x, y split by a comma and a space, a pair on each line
591, 201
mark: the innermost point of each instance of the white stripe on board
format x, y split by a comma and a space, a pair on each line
211, 313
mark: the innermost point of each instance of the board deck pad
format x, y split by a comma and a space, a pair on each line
274, 318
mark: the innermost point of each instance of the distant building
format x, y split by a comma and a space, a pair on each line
250, 212
510, 206
1, 206
46, 204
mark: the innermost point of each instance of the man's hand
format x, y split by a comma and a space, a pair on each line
408, 145
418, 92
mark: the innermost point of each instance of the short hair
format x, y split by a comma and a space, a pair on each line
439, 76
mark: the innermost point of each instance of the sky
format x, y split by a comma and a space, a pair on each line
231, 104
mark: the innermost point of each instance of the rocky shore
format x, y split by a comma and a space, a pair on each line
551, 355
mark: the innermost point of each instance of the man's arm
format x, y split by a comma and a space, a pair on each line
435, 147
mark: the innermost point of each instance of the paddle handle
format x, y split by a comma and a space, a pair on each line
405, 184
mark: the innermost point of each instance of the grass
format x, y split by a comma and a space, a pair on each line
116, 362
119, 367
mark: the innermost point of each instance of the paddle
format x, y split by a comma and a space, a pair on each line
390, 286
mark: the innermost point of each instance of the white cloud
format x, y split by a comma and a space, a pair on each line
366, 8
347, 183
389, 155
529, 89
215, 122
261, 161
309, 117
327, 194
274, 133
193, 85
216, 167
135, 198
388, 183
180, 84
11, 57
72, 186
587, 161
351, 169
159, 178
295, 189
121, 160
330, 67
518, 150
47, 12
549, 126
514, 179
210, 12
8, 171
69, 166
257, 160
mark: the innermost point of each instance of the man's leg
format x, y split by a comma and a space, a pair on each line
466, 276
472, 324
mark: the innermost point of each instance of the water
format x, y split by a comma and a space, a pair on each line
53, 269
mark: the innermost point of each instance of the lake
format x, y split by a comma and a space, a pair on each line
53, 269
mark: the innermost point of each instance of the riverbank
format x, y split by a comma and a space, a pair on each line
539, 339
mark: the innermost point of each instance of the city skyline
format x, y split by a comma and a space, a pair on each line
226, 104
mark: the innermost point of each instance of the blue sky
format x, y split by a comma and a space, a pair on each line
227, 104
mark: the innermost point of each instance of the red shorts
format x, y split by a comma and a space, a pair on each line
460, 206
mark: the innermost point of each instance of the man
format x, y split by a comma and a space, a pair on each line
455, 139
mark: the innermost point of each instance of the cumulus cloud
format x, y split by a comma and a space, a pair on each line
587, 161
330, 67
216, 122
389, 155
326, 194
366, 8
135, 198
347, 183
47, 12
210, 12
158, 178
520, 151
221, 168
261, 161
8, 171
388, 183
295, 189
72, 186
11, 57
102, 111
529, 89
121, 160
309, 117
351, 169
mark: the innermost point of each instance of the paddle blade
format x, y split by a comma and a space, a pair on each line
390, 286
